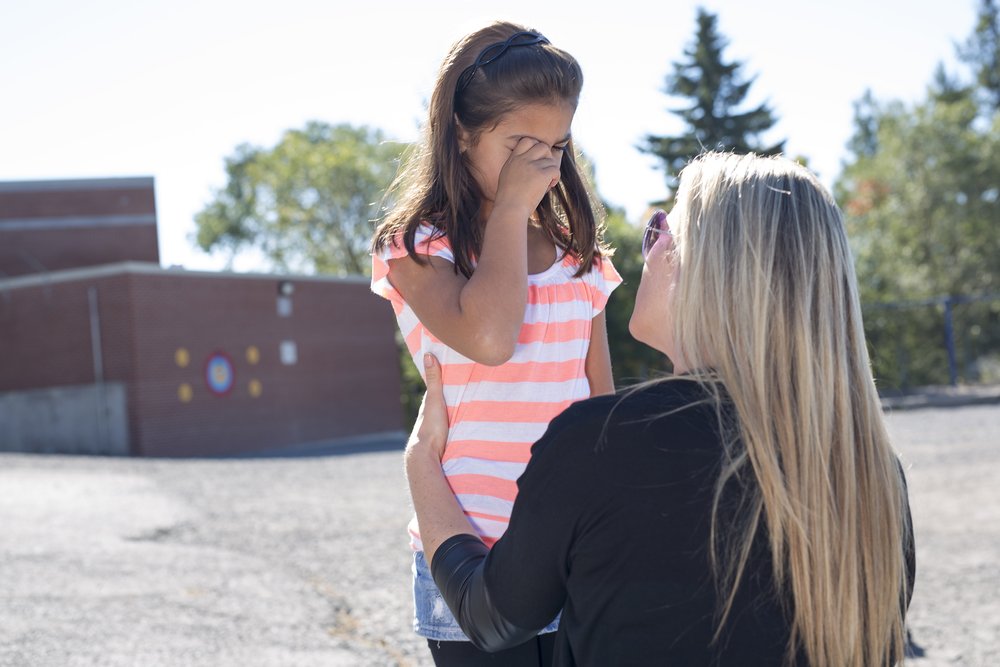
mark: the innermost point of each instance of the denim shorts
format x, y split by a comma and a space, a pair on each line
431, 617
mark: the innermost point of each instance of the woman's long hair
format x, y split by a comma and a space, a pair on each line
767, 298
436, 184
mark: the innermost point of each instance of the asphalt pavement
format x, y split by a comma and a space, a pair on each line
302, 559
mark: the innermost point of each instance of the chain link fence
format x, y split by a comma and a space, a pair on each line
947, 340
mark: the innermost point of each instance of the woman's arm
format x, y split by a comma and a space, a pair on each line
438, 512
457, 556
598, 362
459, 572
453, 549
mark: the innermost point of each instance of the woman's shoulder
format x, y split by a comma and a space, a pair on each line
671, 403
665, 394
670, 428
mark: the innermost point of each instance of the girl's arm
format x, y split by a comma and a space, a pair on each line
481, 316
598, 362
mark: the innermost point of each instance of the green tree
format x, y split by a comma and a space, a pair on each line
864, 141
307, 203
948, 88
921, 199
713, 118
982, 53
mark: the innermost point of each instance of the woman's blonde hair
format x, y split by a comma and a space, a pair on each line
767, 298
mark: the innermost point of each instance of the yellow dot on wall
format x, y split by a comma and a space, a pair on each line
255, 388
182, 357
184, 393
253, 354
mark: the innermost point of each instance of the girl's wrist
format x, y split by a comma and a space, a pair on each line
517, 213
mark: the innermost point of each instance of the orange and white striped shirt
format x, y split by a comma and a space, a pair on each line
496, 413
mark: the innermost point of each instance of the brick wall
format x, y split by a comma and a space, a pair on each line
54, 225
159, 328
345, 380
45, 332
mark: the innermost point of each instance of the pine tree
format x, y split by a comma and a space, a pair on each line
982, 53
864, 142
948, 88
716, 90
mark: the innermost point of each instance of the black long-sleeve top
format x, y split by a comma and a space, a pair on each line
611, 526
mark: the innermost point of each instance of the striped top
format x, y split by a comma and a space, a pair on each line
496, 413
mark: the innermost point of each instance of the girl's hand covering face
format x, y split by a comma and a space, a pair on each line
530, 171
518, 160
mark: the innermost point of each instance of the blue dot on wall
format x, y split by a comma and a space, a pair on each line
219, 373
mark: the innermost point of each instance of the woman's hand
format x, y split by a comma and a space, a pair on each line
438, 512
430, 431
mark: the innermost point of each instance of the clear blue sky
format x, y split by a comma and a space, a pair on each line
168, 89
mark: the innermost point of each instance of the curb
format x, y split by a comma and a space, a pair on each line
942, 397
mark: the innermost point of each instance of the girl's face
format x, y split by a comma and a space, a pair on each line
487, 153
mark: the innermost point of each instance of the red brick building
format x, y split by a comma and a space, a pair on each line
133, 359
53, 225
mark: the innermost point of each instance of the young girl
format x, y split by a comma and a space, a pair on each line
494, 263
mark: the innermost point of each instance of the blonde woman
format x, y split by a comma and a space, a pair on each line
747, 510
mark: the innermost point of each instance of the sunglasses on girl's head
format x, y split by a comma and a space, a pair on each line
657, 225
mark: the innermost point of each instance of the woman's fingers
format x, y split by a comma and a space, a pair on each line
431, 428
432, 374
663, 244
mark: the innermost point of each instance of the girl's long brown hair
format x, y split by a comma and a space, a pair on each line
436, 185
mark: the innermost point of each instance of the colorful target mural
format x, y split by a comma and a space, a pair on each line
219, 373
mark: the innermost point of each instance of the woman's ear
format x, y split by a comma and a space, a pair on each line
463, 136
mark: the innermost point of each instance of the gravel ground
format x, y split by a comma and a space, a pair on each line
303, 561
953, 472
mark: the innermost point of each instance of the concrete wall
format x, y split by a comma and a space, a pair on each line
86, 419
